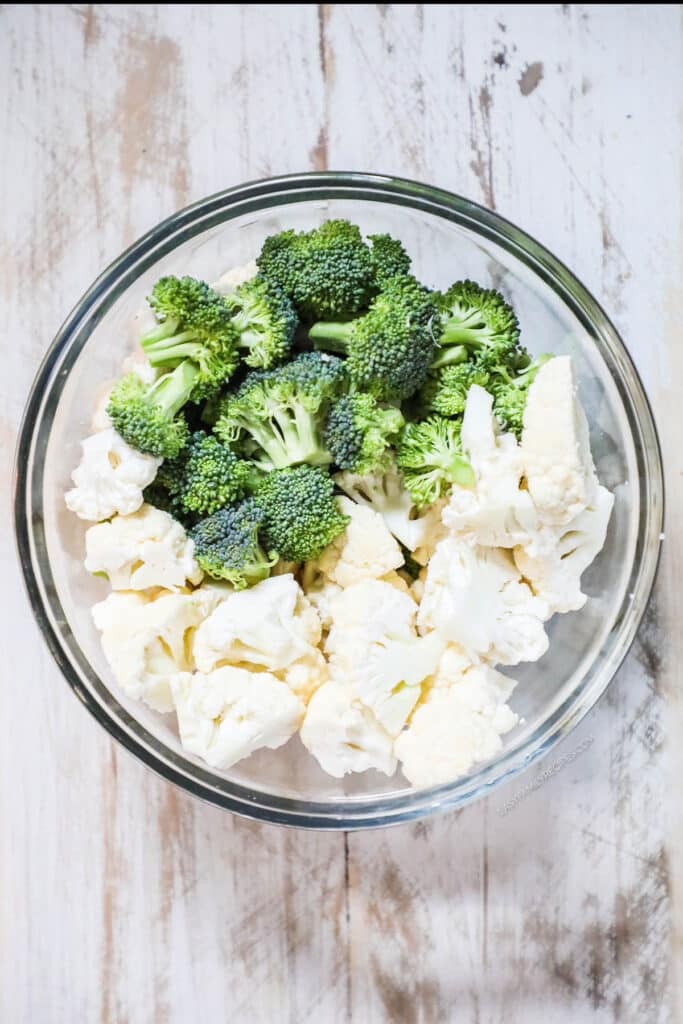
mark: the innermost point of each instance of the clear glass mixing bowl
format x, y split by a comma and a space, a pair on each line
448, 237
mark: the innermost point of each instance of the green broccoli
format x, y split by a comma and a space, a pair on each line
445, 391
227, 545
391, 347
276, 416
327, 272
205, 476
472, 318
510, 395
301, 514
359, 431
265, 320
389, 258
195, 324
429, 455
146, 415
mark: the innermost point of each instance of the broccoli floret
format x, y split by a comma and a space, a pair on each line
327, 272
510, 396
301, 515
391, 347
146, 415
195, 324
471, 318
276, 416
206, 476
430, 456
227, 545
389, 258
445, 391
265, 320
359, 431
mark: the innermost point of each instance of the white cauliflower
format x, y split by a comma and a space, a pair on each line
555, 445
307, 674
110, 477
233, 278
229, 713
384, 493
374, 648
495, 512
320, 592
473, 596
343, 735
433, 530
556, 557
457, 726
365, 550
148, 644
146, 549
271, 625
398, 580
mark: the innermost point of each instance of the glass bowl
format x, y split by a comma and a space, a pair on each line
448, 238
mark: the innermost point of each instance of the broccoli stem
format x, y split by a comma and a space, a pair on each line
179, 346
158, 333
331, 336
457, 467
450, 356
171, 392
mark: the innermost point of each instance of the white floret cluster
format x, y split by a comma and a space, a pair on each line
372, 668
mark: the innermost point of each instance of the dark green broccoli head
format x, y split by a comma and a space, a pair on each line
206, 476
389, 258
301, 514
195, 324
276, 416
429, 455
445, 391
473, 317
227, 545
510, 395
359, 432
265, 320
327, 272
147, 415
391, 347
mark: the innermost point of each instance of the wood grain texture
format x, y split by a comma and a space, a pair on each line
122, 899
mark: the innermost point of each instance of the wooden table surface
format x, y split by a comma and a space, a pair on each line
121, 898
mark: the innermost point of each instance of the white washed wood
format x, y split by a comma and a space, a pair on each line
122, 899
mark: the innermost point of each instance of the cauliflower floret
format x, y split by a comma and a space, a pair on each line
453, 663
148, 644
343, 735
373, 647
457, 726
555, 445
229, 713
365, 550
110, 477
270, 625
495, 512
145, 549
385, 494
433, 530
307, 675
474, 597
556, 557
320, 592
232, 279
395, 579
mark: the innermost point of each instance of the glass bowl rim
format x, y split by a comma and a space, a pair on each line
363, 812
